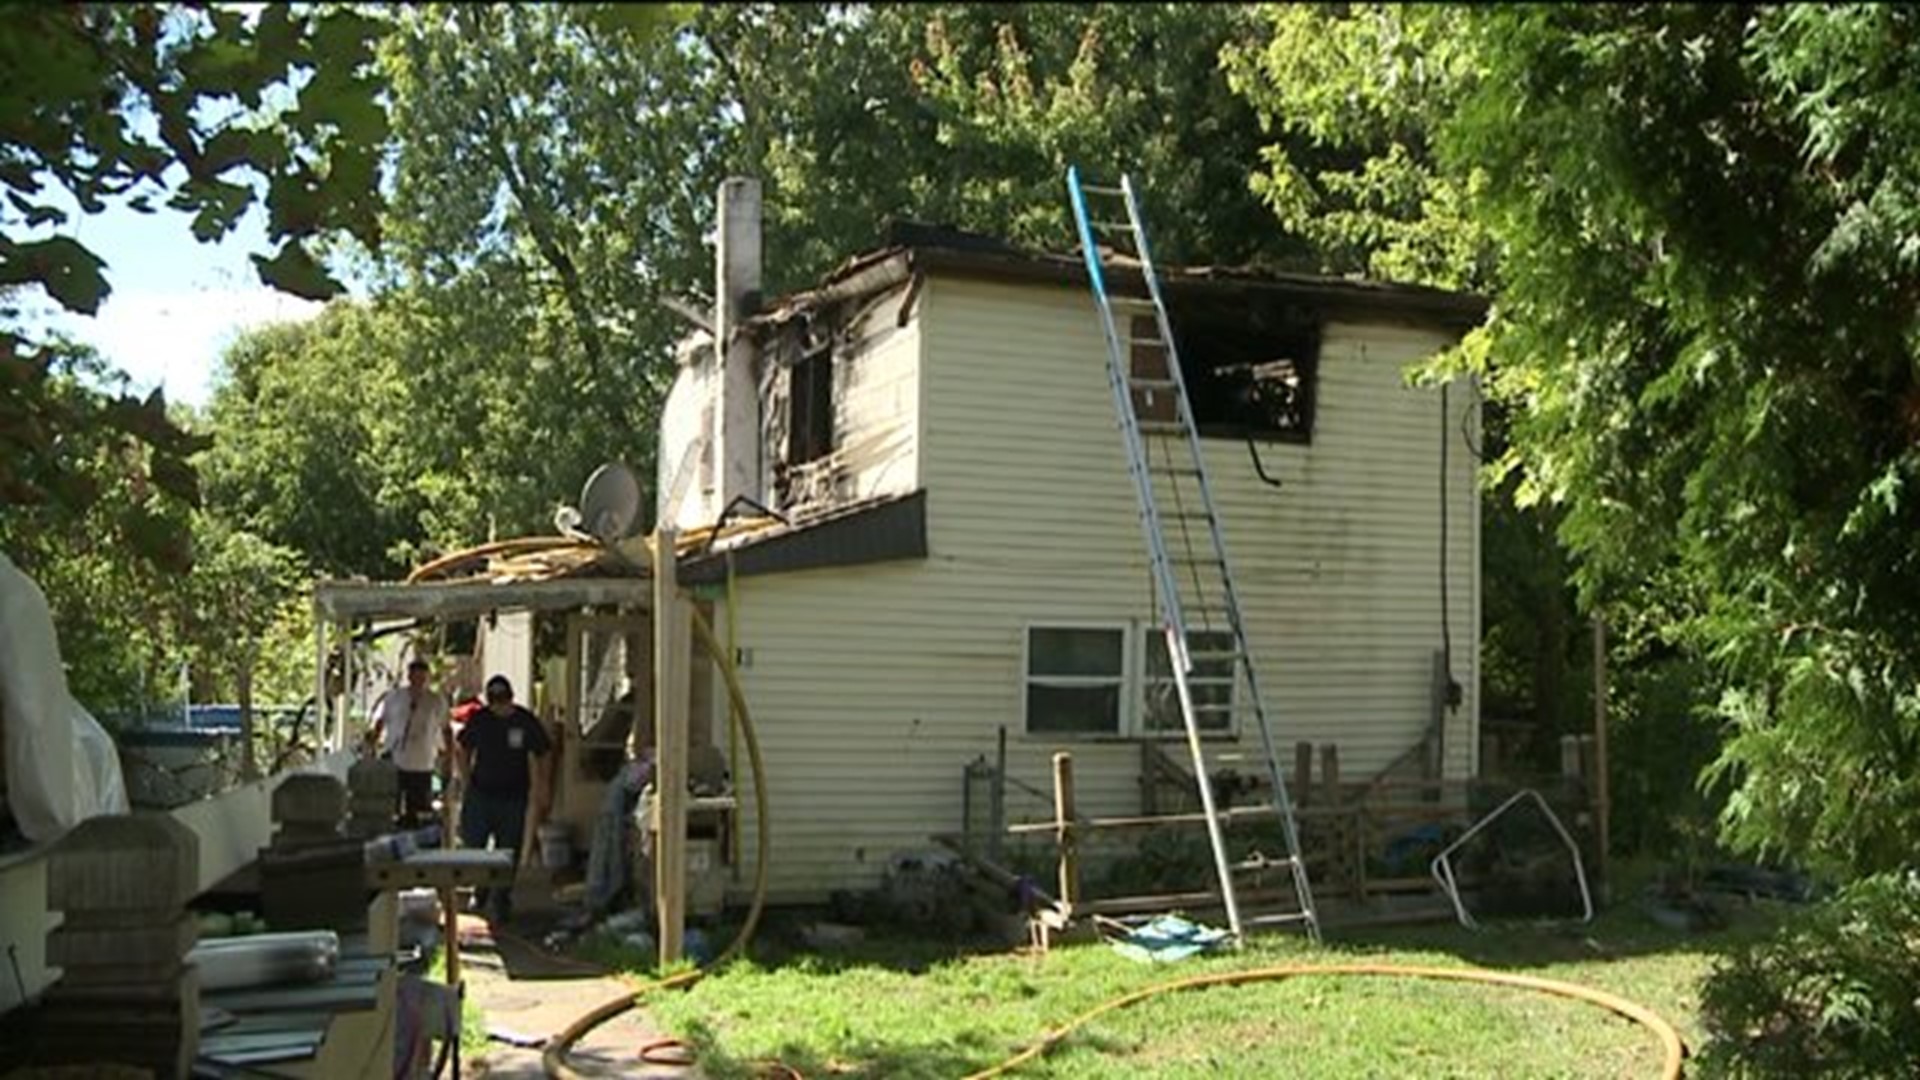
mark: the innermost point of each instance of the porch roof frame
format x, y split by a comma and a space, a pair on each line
361, 601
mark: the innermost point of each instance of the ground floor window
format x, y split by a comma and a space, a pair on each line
1116, 680
1076, 679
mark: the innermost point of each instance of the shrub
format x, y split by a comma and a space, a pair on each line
1833, 993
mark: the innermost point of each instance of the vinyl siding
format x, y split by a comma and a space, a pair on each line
875, 395
874, 687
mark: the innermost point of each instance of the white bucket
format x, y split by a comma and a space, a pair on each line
556, 848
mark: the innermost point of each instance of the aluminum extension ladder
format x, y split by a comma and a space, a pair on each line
1195, 589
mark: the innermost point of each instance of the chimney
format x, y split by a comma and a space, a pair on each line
736, 407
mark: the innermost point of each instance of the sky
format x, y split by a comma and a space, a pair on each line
176, 302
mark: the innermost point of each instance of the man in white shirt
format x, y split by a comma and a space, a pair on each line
410, 725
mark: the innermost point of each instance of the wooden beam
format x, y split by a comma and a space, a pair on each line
1239, 813
1063, 819
673, 660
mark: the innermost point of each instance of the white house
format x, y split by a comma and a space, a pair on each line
965, 554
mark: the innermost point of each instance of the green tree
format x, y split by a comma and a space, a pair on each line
1703, 333
213, 111
313, 435
555, 180
236, 596
1360, 94
109, 609
541, 201
1705, 317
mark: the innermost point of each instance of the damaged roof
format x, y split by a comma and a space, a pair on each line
913, 248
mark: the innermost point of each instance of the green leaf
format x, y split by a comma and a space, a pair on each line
37, 214
64, 267
637, 21
293, 270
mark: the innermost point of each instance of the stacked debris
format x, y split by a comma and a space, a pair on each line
373, 788
127, 994
312, 877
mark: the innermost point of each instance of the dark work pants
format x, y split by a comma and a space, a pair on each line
500, 818
416, 798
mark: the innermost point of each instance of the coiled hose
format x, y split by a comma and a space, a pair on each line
1673, 1049
554, 1058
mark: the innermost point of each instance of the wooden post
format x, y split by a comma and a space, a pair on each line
1063, 814
997, 821
1337, 839
450, 911
672, 673
1602, 801
325, 725
1302, 772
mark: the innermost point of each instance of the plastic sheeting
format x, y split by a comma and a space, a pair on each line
62, 767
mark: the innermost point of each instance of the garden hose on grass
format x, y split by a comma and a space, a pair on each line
1670, 1043
554, 1058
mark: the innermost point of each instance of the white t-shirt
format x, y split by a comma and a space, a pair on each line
413, 726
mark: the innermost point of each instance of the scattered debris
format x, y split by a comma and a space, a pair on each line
1754, 882
1166, 939
829, 935
496, 1033
1680, 911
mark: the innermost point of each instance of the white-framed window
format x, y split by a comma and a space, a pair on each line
1077, 679
1113, 679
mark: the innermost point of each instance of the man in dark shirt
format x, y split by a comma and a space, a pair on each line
502, 758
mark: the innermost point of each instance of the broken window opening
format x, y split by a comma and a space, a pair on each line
810, 412
1251, 368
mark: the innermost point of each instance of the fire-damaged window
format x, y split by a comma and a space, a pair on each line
810, 427
1251, 365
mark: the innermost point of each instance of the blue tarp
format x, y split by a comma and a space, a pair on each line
1168, 938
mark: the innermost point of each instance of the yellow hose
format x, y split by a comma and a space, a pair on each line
554, 1058
1670, 1042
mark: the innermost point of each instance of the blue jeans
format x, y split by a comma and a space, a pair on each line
502, 819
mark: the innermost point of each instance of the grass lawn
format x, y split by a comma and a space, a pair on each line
899, 1008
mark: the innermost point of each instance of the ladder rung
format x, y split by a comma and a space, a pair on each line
1195, 680
1097, 189
1209, 657
1136, 301
1149, 341
1277, 920
1262, 863
1127, 225
1198, 608
1152, 384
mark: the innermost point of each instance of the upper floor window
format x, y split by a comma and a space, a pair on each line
810, 428
1251, 366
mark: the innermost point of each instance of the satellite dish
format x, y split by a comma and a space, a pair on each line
610, 502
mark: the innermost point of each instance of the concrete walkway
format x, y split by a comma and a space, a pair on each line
530, 995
